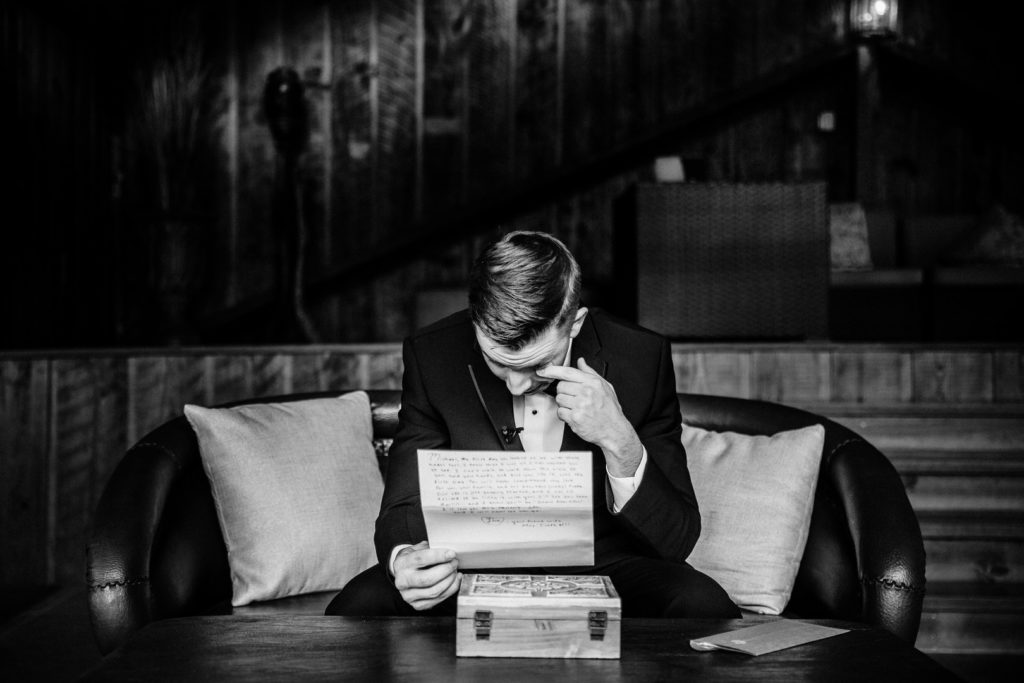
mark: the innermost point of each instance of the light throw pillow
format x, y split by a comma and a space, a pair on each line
756, 495
297, 488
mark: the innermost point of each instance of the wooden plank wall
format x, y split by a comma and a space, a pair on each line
60, 241
66, 419
419, 109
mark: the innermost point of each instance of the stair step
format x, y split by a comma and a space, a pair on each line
971, 633
971, 524
972, 618
968, 493
999, 560
966, 596
839, 409
918, 462
960, 433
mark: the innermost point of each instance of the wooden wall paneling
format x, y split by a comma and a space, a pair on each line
25, 420
628, 86
719, 373
232, 378
84, 191
868, 377
271, 374
1008, 376
988, 561
584, 83
308, 371
159, 387
419, 121
792, 376
384, 369
260, 52
953, 376
720, 42
942, 492
347, 371
396, 145
645, 64
306, 50
760, 146
449, 31
584, 222
938, 433
678, 56
596, 230
489, 116
393, 304
755, 34
90, 408
870, 180
224, 73
352, 139
537, 128
62, 246
355, 306
728, 373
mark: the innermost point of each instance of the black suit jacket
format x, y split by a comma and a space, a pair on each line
451, 400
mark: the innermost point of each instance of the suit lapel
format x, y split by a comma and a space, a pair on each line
587, 345
496, 401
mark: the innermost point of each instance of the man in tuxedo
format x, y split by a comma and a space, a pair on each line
527, 367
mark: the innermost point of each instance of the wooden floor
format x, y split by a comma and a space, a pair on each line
52, 641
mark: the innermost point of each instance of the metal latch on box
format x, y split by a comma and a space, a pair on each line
598, 623
482, 624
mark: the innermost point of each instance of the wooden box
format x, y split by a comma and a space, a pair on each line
520, 615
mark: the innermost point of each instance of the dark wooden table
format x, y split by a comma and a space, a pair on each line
246, 648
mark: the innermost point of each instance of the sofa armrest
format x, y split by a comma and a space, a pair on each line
886, 536
139, 565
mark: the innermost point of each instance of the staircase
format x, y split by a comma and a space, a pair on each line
963, 466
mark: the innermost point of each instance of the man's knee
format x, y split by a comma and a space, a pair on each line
700, 596
368, 594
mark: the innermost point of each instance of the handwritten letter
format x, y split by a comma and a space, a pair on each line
509, 509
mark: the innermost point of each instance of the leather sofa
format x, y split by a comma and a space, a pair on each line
157, 552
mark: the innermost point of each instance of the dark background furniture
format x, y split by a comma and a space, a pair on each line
724, 260
157, 552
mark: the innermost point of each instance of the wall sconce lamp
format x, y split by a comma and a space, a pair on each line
874, 17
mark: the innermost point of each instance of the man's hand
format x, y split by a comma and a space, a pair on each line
426, 576
588, 404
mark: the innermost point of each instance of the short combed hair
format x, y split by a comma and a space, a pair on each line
521, 285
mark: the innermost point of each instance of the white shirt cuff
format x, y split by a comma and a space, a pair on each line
623, 488
394, 554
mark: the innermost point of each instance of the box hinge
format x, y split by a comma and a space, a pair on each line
482, 624
598, 623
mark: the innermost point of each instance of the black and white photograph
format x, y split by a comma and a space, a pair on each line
316, 313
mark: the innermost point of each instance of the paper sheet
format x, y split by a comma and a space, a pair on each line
768, 637
509, 509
